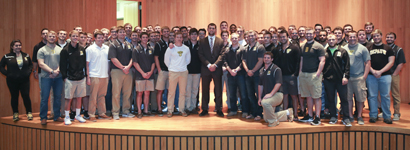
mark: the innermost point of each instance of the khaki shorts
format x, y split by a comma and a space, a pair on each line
74, 89
144, 85
357, 86
162, 81
310, 85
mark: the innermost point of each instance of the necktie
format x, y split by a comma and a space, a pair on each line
212, 45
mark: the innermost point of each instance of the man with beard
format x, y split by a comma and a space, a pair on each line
318, 28
359, 69
302, 33
184, 31
379, 79
336, 76
294, 37
323, 38
398, 65
289, 63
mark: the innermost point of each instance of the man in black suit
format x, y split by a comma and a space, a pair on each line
211, 55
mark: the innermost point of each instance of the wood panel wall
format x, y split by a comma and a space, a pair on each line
389, 16
23, 138
24, 19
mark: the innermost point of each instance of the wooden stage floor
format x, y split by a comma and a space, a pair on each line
210, 132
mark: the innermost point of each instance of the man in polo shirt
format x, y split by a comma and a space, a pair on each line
62, 36
177, 60
270, 92
73, 62
379, 79
398, 65
97, 76
346, 29
252, 62
236, 74
359, 69
48, 60
159, 52
120, 54
310, 77
143, 61
302, 33
194, 70
289, 64
336, 76
318, 28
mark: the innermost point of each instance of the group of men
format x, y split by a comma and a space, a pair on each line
267, 67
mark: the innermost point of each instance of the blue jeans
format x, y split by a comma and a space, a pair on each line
251, 104
57, 85
234, 83
108, 96
376, 85
324, 97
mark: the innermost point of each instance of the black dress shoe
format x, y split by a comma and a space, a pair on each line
220, 113
203, 113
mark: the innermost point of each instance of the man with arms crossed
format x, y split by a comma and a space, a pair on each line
310, 77
270, 92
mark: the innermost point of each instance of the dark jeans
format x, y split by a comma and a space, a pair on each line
251, 105
108, 96
331, 87
22, 86
234, 83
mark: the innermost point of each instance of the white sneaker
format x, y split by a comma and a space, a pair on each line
380, 115
67, 121
396, 117
80, 119
128, 115
116, 117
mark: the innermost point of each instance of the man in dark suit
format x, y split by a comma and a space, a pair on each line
211, 55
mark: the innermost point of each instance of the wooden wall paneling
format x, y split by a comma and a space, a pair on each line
231, 142
358, 140
278, 141
184, 143
170, 143
339, 140
245, 142
400, 140
265, 141
211, 143
365, 138
177, 142
238, 142
407, 141
218, 144
345, 136
131, 143
303, 140
251, 142
298, 144
224, 143
137, 143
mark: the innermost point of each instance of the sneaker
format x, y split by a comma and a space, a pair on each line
86, 116
93, 119
258, 118
333, 120
372, 120
72, 116
316, 121
307, 118
290, 116
250, 117
396, 117
184, 114
139, 116
80, 119
273, 124
232, 113
116, 117
244, 115
360, 121
67, 121
347, 122
16, 117
128, 115
29, 116
380, 115
351, 120
169, 114
388, 121
104, 117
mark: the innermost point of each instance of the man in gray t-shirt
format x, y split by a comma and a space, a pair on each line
49, 59
359, 69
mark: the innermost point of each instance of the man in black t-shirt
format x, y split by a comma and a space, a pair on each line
289, 64
159, 52
398, 65
270, 92
379, 79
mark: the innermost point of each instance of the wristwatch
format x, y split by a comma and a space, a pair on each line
52, 72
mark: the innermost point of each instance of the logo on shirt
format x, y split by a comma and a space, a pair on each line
288, 50
25, 58
351, 52
180, 53
268, 73
378, 51
306, 49
81, 53
129, 47
339, 54
150, 52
